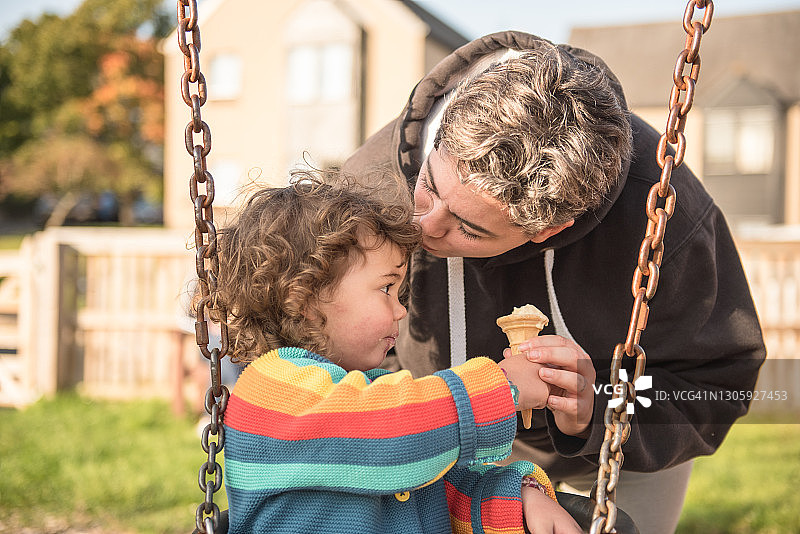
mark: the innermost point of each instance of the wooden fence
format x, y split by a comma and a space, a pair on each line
13, 390
771, 259
102, 309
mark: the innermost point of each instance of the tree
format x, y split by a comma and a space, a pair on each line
82, 104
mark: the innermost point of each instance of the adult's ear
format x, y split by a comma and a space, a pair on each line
549, 232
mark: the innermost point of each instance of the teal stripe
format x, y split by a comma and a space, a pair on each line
254, 477
304, 358
492, 452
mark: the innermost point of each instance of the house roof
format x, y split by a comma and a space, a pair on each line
763, 48
440, 31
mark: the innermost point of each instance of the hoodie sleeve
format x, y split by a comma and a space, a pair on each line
294, 422
704, 348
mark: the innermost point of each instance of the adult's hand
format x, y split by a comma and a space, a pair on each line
566, 366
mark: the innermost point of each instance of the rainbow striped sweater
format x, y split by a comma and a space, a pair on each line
310, 447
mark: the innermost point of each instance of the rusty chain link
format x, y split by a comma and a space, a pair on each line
207, 516
616, 419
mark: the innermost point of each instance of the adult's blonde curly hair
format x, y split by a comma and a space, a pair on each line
544, 134
290, 244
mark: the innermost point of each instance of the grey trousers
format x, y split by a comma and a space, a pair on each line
653, 500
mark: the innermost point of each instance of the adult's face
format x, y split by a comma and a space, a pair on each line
457, 220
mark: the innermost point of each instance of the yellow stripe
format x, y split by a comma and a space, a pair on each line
542, 478
276, 384
480, 375
459, 527
490, 530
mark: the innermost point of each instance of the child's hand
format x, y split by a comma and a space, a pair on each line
543, 515
533, 391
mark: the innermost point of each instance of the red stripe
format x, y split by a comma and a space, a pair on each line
377, 424
458, 503
493, 405
501, 512
496, 512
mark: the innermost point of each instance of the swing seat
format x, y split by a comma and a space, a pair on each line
581, 509
578, 506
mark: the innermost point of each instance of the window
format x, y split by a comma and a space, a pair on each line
302, 77
740, 140
225, 77
320, 73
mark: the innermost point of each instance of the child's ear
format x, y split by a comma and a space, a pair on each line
310, 313
298, 300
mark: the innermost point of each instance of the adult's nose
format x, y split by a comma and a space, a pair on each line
433, 221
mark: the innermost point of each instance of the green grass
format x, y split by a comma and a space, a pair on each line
125, 467
750, 484
132, 468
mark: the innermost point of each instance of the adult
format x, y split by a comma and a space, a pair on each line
530, 178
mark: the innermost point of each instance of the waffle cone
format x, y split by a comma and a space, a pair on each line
522, 324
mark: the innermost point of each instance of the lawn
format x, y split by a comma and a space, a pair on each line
119, 467
750, 484
132, 468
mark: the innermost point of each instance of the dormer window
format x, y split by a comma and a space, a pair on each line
744, 139
320, 73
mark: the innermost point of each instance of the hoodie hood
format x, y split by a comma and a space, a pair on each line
470, 60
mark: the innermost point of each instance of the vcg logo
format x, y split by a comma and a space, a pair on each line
640, 384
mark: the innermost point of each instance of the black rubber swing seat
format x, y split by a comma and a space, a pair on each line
579, 507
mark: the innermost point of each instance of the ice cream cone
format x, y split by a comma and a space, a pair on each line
522, 324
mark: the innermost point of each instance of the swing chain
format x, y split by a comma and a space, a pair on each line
660, 206
207, 515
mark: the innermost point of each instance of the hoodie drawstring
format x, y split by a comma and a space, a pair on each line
457, 311
555, 311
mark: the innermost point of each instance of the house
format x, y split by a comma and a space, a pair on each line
743, 132
291, 77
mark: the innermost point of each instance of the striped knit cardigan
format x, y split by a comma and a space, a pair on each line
312, 448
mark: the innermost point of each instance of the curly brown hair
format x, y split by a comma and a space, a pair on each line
289, 244
545, 134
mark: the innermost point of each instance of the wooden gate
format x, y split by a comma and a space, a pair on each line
101, 309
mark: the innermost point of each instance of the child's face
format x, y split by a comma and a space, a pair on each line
363, 312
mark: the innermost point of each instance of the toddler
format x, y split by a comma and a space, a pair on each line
319, 438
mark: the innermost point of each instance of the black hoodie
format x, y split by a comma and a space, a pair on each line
703, 342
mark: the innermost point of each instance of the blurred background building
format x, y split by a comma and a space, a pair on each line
298, 81
743, 134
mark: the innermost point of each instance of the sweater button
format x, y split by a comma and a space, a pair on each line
403, 496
